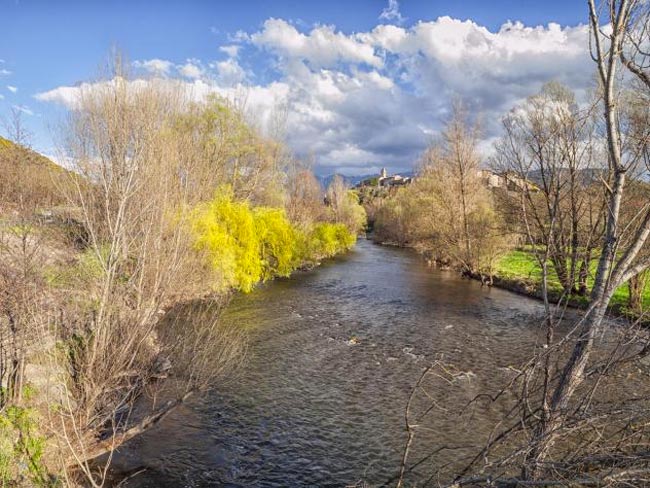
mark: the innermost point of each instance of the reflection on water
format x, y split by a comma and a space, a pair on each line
315, 408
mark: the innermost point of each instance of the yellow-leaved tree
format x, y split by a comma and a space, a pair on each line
225, 232
245, 245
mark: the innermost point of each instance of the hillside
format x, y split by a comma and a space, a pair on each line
27, 178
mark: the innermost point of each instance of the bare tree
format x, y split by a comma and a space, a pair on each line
344, 205
15, 128
618, 261
20, 256
304, 202
139, 179
223, 148
550, 145
448, 213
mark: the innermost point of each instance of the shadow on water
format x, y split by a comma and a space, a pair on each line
315, 408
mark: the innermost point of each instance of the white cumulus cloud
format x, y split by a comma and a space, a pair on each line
359, 101
155, 66
391, 13
191, 69
231, 50
323, 46
229, 72
378, 96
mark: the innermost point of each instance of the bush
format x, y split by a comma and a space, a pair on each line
328, 239
21, 448
282, 248
245, 245
225, 231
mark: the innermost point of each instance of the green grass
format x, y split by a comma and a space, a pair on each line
522, 265
81, 273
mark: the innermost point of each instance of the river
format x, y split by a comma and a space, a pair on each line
334, 355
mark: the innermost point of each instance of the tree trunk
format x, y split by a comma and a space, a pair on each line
15, 380
573, 373
583, 274
571, 378
118, 438
560, 267
636, 286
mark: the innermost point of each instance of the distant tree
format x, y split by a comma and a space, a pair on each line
447, 212
550, 141
304, 201
344, 205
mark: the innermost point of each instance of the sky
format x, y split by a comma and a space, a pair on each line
364, 83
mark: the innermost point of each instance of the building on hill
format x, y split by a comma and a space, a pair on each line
507, 180
386, 180
490, 179
394, 180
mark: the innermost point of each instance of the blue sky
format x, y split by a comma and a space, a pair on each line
363, 89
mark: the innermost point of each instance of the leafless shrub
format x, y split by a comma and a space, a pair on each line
136, 177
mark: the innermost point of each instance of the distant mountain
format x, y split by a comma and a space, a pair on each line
585, 176
349, 180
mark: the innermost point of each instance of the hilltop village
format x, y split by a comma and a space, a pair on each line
384, 180
506, 180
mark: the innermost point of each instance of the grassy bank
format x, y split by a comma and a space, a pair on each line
519, 271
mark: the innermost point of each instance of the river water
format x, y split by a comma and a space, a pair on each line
334, 355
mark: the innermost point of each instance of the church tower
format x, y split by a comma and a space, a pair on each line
383, 173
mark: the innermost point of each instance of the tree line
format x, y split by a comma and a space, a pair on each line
543, 189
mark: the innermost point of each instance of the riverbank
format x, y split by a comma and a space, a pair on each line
68, 273
517, 271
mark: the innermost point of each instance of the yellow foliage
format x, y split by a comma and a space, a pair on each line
281, 249
225, 231
329, 239
246, 245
